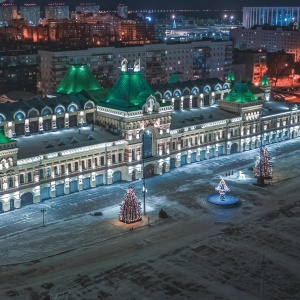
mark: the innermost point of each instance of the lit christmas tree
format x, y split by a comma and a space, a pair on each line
222, 188
263, 167
130, 210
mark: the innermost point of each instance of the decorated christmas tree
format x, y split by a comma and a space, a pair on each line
263, 167
222, 188
130, 209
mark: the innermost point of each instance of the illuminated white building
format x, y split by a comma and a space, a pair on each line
84, 136
274, 16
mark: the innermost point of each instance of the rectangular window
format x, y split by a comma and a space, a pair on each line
113, 158
69, 168
133, 154
83, 164
174, 145
21, 178
48, 172
89, 163
120, 157
10, 182
76, 166
181, 143
102, 161
96, 161
62, 168
41, 174
29, 177
55, 170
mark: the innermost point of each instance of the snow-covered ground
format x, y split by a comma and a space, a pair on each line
200, 252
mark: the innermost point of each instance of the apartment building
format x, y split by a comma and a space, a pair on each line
270, 39
201, 59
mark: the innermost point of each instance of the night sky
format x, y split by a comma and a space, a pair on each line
173, 4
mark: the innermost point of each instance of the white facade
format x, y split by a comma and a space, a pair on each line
59, 162
274, 16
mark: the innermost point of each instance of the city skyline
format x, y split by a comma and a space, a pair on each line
171, 4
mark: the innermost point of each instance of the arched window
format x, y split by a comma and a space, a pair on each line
167, 95
177, 93
19, 116
33, 113
217, 87
226, 86
72, 107
2, 118
147, 144
89, 105
59, 110
46, 111
195, 91
206, 89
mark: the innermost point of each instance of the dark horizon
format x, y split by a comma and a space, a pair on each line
169, 4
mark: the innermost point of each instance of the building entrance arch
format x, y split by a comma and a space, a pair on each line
234, 148
27, 199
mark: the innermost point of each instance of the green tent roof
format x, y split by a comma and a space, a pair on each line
265, 80
78, 78
4, 139
130, 92
240, 93
230, 76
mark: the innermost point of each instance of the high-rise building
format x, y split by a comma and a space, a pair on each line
18, 69
160, 28
122, 11
274, 16
8, 11
87, 8
56, 11
31, 13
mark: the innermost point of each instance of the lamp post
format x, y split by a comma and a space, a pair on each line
43, 212
144, 181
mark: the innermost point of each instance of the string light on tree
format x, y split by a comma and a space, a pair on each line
222, 188
263, 167
130, 209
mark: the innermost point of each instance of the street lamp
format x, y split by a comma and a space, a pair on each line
43, 212
144, 180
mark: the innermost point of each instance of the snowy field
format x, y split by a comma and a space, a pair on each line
199, 252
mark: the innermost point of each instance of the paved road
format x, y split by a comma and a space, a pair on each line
100, 198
